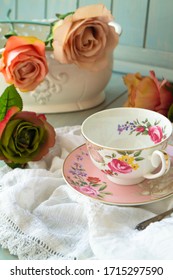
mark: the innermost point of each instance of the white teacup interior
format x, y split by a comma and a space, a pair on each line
126, 128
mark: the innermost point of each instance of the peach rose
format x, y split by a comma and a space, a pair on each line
85, 38
147, 92
23, 62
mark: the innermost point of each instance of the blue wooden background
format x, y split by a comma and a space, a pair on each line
147, 39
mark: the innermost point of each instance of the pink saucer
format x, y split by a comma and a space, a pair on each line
82, 175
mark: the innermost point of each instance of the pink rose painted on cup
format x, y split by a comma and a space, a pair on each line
89, 191
119, 166
155, 133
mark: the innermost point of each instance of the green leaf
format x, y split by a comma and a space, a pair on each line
63, 16
148, 124
145, 132
122, 153
139, 158
10, 33
136, 154
102, 188
49, 39
9, 98
170, 113
107, 193
108, 156
130, 152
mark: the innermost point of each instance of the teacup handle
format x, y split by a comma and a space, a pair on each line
158, 157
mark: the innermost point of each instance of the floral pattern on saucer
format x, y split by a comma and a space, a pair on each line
81, 174
156, 132
88, 185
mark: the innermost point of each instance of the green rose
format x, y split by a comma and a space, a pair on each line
24, 136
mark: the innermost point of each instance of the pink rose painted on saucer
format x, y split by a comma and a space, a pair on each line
88, 190
88, 185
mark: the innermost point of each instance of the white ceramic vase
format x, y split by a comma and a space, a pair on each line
67, 88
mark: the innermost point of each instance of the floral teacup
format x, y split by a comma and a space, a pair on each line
128, 144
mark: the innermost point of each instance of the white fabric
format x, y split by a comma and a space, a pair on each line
43, 218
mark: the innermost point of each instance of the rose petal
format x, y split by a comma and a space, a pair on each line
11, 112
91, 11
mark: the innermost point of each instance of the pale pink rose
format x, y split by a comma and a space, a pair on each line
23, 62
155, 133
85, 38
119, 166
89, 191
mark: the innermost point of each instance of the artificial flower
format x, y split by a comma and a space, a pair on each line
85, 38
148, 92
24, 136
23, 62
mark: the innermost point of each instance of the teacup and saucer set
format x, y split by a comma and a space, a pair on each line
126, 159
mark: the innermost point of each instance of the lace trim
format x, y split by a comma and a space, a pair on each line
24, 246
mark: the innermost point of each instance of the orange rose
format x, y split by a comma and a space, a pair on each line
23, 62
85, 38
148, 92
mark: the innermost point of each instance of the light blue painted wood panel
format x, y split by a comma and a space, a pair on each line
107, 3
60, 6
160, 25
131, 15
32, 9
5, 5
